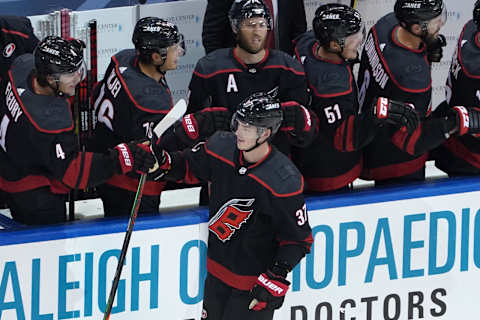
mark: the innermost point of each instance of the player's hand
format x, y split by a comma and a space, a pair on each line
467, 119
269, 291
134, 156
163, 163
202, 124
400, 114
296, 118
435, 48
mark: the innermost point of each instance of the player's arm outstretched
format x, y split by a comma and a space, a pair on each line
78, 169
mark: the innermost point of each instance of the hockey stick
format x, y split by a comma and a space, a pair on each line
170, 118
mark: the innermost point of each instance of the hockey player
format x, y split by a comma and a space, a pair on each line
396, 63
327, 54
459, 155
16, 38
132, 98
227, 76
39, 159
258, 229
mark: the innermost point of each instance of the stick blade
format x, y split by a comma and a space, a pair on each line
171, 117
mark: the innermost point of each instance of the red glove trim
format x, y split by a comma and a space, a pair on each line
382, 108
125, 157
190, 126
464, 119
274, 287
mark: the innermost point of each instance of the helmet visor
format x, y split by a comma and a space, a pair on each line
356, 40
434, 25
74, 77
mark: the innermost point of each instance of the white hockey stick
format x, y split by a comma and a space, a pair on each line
173, 115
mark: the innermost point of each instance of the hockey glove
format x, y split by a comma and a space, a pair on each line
202, 124
164, 162
269, 291
134, 156
400, 114
296, 118
435, 48
467, 120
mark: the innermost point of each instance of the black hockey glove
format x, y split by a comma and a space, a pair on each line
435, 48
133, 156
164, 162
296, 118
202, 124
269, 290
400, 114
467, 120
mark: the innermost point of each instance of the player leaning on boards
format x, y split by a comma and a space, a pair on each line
130, 101
40, 159
258, 228
396, 63
328, 53
459, 155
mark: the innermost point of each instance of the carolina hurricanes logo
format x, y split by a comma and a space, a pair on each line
230, 217
8, 51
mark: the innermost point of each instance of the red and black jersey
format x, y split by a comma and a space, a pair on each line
16, 38
38, 146
334, 159
257, 211
222, 79
389, 69
128, 104
461, 155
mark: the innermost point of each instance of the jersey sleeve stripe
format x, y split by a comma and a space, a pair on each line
209, 75
297, 72
17, 33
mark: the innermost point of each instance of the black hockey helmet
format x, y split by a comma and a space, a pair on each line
260, 110
55, 55
152, 34
335, 22
418, 11
476, 13
245, 9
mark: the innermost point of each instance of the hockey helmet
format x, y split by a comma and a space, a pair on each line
153, 34
335, 22
245, 9
260, 110
418, 11
55, 55
476, 13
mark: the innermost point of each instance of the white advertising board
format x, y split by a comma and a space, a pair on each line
162, 277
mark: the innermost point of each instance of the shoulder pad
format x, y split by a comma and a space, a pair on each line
47, 114
304, 45
408, 69
280, 59
223, 144
469, 50
279, 175
145, 92
218, 61
328, 79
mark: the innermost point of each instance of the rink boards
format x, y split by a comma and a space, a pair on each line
396, 253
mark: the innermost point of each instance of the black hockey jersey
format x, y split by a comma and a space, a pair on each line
389, 69
16, 38
128, 104
257, 212
461, 155
333, 160
222, 79
38, 147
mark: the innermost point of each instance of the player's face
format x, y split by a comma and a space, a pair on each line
252, 34
68, 81
173, 52
352, 44
247, 135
